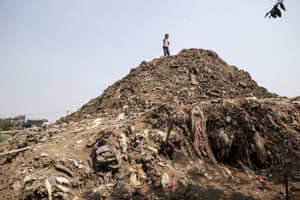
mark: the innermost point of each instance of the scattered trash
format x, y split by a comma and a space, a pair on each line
137, 175
200, 136
123, 144
62, 188
174, 183
78, 141
96, 122
118, 183
64, 169
62, 180
106, 159
261, 180
187, 126
44, 155
165, 180
16, 185
48, 188
121, 117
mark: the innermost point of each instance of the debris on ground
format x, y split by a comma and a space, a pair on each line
187, 126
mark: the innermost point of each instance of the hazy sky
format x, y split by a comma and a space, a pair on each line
56, 55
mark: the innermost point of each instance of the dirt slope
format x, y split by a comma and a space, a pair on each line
188, 126
189, 77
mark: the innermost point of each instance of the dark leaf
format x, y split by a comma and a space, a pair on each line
268, 13
275, 12
278, 12
282, 6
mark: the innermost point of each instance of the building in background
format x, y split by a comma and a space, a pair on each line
19, 122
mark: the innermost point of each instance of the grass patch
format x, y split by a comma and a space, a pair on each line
4, 137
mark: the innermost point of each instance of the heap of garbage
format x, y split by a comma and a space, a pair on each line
187, 78
187, 126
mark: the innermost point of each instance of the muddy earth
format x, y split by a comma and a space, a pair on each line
188, 126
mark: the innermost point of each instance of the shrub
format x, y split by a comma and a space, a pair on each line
4, 125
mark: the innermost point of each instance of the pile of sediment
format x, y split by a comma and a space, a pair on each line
187, 126
190, 77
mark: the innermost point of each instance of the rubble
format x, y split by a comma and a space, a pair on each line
187, 126
168, 80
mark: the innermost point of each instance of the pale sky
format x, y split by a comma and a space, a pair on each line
56, 55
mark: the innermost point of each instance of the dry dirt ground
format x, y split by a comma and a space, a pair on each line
187, 126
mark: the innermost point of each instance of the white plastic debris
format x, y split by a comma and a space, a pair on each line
62, 180
96, 122
121, 116
165, 180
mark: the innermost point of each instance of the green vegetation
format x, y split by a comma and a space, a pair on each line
4, 125
4, 137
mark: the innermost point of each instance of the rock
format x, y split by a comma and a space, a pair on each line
27, 179
121, 117
243, 84
63, 188
228, 119
64, 169
78, 141
62, 180
96, 122
193, 80
48, 188
44, 155
16, 185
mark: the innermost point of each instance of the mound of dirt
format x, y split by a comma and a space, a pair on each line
191, 76
187, 126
